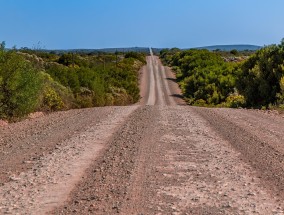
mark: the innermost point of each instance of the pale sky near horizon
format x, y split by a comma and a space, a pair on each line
68, 24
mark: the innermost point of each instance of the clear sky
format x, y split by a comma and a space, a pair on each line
65, 24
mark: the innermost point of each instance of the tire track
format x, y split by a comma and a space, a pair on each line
159, 92
264, 158
53, 177
151, 100
108, 181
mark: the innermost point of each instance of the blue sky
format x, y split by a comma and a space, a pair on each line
64, 24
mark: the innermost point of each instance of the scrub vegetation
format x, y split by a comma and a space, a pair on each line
35, 80
230, 79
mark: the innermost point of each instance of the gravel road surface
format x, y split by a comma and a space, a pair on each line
156, 157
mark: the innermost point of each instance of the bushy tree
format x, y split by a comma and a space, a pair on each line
260, 76
20, 85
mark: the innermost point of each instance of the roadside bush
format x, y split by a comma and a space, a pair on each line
203, 76
101, 82
260, 76
109, 99
235, 101
136, 55
33, 80
280, 95
84, 98
52, 101
20, 85
120, 96
200, 102
55, 96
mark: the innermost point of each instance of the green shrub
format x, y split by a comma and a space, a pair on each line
84, 98
109, 99
205, 76
136, 55
259, 79
202, 75
280, 95
20, 85
52, 101
40, 81
84, 101
235, 101
200, 102
120, 96
55, 96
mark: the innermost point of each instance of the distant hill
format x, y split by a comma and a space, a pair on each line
221, 48
106, 50
231, 47
155, 50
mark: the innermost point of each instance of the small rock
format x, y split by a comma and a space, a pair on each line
13, 178
227, 205
251, 194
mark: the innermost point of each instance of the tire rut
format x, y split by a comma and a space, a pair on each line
107, 182
34, 138
265, 159
194, 170
55, 174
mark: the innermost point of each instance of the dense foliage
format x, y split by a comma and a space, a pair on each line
261, 77
204, 77
20, 85
33, 80
209, 78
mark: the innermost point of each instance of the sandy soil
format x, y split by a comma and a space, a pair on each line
157, 157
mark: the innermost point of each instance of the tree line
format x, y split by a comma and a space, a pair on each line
35, 80
207, 79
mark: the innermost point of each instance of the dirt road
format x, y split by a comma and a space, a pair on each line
156, 157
